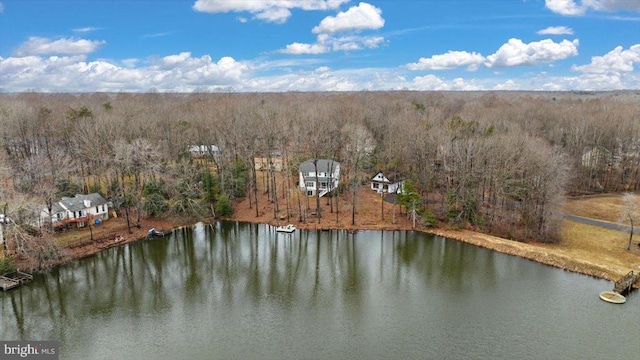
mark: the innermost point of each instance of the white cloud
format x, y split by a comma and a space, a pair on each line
507, 85
1, 8
327, 43
565, 7
556, 30
450, 60
157, 35
300, 48
586, 82
85, 29
515, 52
579, 7
131, 62
277, 11
354, 20
361, 17
180, 72
616, 61
183, 72
65, 46
434, 83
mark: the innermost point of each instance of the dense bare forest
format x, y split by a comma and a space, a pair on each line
499, 161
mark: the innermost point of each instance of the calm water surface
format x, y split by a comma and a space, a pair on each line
242, 291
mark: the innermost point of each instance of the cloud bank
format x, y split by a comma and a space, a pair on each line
513, 53
184, 72
65, 46
274, 11
580, 7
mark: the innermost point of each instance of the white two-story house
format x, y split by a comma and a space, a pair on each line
325, 172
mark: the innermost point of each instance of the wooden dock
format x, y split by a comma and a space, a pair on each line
14, 279
625, 284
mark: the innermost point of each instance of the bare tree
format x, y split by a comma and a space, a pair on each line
630, 213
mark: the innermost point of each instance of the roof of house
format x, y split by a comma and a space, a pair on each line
393, 176
323, 165
203, 149
76, 203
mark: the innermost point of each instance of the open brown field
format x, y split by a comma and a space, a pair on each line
602, 207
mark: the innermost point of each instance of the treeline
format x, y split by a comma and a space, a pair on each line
500, 161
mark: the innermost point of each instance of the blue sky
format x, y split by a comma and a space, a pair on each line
318, 45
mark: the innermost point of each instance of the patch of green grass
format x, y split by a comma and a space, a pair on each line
6, 266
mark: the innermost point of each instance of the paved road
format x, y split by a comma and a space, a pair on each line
604, 224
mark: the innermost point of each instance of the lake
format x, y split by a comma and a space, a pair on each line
242, 291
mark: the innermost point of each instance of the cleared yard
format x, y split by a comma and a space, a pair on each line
601, 207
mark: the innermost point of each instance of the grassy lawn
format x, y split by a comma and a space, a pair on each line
601, 207
596, 244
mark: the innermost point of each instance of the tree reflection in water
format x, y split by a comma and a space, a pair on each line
222, 285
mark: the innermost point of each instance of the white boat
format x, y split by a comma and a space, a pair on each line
612, 297
286, 228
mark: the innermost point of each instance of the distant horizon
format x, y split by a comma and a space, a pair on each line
577, 92
275, 46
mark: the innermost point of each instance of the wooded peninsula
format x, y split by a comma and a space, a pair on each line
501, 163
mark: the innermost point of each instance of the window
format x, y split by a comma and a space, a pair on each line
305, 174
375, 185
323, 185
309, 192
309, 184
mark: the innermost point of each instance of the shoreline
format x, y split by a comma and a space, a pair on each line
544, 254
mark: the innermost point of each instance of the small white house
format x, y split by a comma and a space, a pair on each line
389, 183
78, 210
201, 151
325, 172
597, 157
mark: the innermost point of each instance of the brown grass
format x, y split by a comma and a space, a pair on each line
601, 207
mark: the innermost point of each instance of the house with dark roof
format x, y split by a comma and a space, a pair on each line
78, 210
319, 177
389, 182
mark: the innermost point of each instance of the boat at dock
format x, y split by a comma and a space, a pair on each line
286, 228
153, 233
